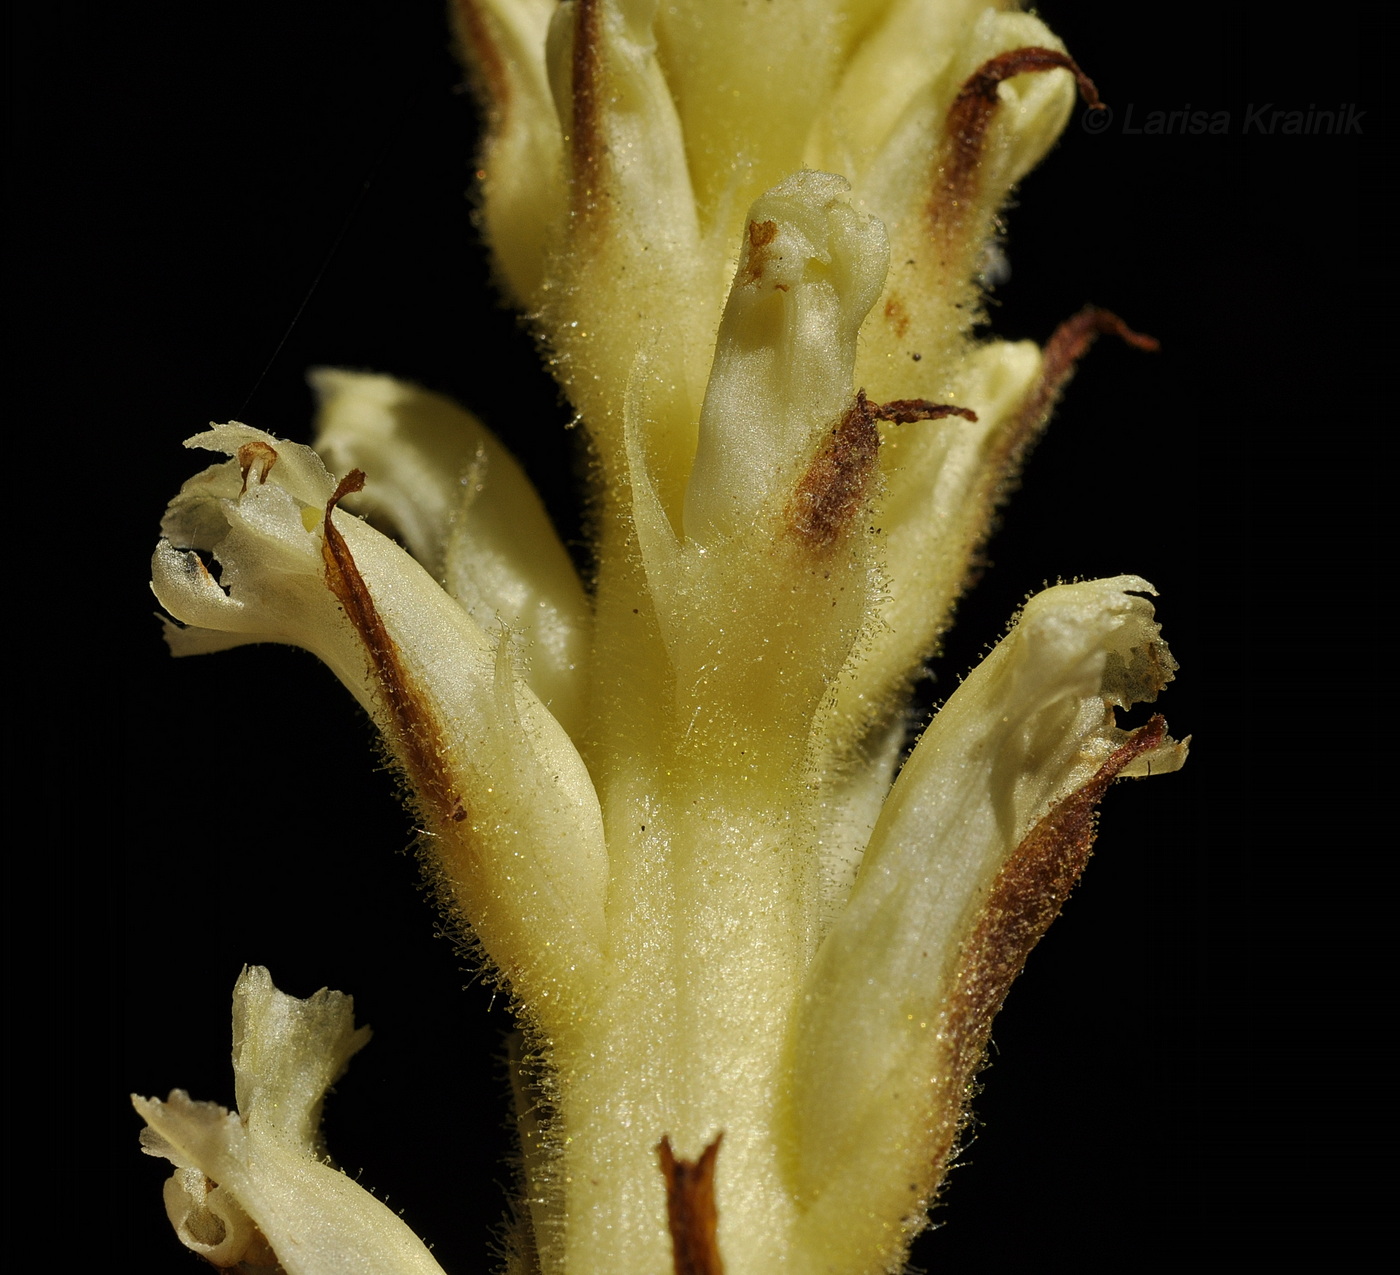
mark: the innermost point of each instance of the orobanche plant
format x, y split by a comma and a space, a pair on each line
754, 957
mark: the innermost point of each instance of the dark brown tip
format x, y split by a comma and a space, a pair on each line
1013, 439
412, 726
352, 482
1066, 346
1069, 343
585, 135
690, 1209
834, 490
259, 456
482, 55
905, 411
981, 85
1026, 897
971, 114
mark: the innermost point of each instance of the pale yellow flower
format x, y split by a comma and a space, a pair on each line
754, 958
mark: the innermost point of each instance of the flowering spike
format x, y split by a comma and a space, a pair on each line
664, 808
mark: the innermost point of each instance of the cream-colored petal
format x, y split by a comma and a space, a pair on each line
522, 173
811, 269
511, 812
255, 1180
749, 80
919, 332
626, 273
468, 513
910, 49
877, 1086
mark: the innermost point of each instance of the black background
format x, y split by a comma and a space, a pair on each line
1190, 1065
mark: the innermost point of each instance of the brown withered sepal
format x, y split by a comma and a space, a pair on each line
585, 130
258, 457
1024, 899
836, 486
1066, 346
956, 174
482, 56
690, 1209
415, 734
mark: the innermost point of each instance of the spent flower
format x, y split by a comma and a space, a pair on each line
754, 957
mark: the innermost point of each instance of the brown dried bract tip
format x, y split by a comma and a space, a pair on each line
585, 137
482, 54
833, 490
352, 482
1026, 897
414, 731
972, 112
905, 411
1066, 346
690, 1209
256, 455
1072, 339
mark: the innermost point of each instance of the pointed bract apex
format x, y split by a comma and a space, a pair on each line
1066, 346
690, 1209
905, 411
1070, 341
972, 112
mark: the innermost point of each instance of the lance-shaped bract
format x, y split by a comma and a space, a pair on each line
501, 789
662, 807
